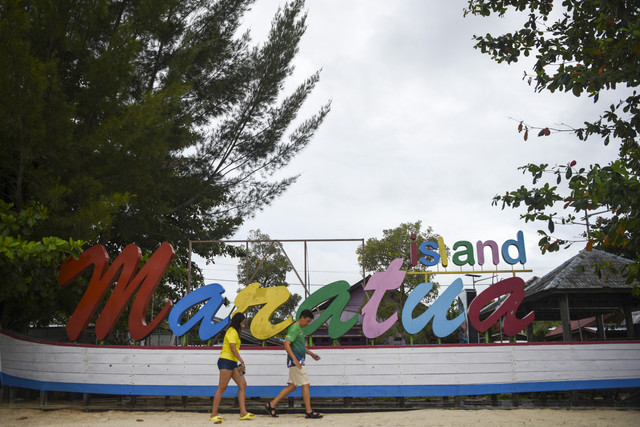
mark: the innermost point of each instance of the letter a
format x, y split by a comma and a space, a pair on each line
514, 286
339, 291
273, 297
208, 328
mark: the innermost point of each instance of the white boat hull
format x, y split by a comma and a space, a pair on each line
433, 370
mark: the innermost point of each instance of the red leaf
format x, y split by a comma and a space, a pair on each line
589, 245
526, 134
573, 163
546, 131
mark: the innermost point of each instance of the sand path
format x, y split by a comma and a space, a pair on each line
430, 417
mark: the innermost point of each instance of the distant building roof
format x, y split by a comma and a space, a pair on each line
578, 273
575, 325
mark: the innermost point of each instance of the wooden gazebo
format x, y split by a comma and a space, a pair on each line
575, 291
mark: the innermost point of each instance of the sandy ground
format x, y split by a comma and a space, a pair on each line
431, 417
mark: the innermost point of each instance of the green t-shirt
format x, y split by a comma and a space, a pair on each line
298, 346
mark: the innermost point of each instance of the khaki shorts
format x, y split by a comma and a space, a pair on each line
297, 376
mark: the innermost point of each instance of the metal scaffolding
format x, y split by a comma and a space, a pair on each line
304, 280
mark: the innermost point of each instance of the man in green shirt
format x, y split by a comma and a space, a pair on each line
296, 349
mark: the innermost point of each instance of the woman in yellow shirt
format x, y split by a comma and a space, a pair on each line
230, 368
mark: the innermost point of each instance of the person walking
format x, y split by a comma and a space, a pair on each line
296, 349
231, 366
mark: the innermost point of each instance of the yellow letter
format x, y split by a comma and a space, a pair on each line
272, 297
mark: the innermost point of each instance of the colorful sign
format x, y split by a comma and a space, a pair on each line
143, 283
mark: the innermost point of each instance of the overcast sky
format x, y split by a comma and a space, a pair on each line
419, 129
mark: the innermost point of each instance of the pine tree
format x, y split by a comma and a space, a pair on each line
143, 121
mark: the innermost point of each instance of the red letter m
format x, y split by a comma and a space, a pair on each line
125, 266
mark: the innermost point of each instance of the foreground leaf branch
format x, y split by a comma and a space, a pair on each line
582, 48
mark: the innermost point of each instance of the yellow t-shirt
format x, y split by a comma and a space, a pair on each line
231, 337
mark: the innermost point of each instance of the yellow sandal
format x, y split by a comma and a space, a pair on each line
249, 416
217, 419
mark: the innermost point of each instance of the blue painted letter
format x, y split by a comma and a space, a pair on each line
208, 328
437, 311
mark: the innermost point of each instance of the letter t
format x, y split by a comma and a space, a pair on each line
379, 283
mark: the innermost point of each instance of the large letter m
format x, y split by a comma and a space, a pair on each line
123, 268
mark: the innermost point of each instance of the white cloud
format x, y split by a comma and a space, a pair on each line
419, 129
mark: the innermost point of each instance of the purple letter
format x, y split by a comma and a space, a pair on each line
494, 251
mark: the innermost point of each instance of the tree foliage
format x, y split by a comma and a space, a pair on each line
29, 268
582, 48
266, 263
147, 120
542, 328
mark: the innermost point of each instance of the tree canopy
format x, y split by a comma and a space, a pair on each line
147, 120
581, 48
